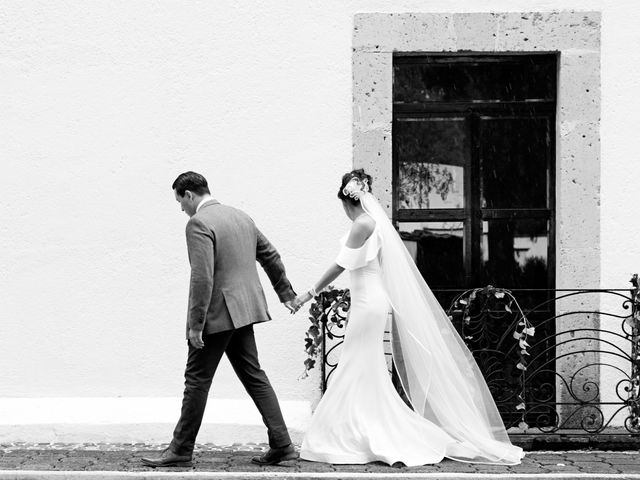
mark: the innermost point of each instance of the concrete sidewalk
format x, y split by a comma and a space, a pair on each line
111, 461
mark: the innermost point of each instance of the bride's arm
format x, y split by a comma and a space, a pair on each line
361, 230
329, 276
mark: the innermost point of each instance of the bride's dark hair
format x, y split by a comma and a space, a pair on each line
346, 178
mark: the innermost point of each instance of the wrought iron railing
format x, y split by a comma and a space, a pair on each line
577, 373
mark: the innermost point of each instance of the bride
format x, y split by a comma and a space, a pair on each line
361, 418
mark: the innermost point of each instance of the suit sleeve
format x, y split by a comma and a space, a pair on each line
200, 242
271, 262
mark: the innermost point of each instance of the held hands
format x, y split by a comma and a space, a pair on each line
298, 302
291, 306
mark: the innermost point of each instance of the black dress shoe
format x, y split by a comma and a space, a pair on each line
168, 459
276, 455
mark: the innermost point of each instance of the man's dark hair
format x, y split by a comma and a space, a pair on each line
192, 181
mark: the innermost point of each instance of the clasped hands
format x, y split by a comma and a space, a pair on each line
294, 305
195, 336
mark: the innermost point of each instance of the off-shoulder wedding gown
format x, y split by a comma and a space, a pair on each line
361, 418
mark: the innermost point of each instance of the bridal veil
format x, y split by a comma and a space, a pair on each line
438, 372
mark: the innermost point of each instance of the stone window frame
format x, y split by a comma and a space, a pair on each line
575, 36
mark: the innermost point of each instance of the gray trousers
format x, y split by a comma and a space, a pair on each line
241, 350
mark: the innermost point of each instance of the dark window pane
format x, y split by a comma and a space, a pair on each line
476, 80
437, 249
515, 255
459, 145
431, 155
514, 162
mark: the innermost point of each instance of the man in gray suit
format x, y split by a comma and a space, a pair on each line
225, 300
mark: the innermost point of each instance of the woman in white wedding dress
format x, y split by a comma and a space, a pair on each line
361, 418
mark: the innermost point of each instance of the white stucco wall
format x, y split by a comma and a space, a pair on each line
103, 104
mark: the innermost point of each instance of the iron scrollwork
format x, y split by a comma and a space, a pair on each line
544, 378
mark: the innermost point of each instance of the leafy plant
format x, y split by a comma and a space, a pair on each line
327, 310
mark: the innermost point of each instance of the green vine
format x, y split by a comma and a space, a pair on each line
329, 307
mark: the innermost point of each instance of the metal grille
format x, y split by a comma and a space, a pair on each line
581, 377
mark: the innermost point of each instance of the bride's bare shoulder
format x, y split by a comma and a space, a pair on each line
361, 230
366, 222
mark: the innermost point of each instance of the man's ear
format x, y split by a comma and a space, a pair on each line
188, 194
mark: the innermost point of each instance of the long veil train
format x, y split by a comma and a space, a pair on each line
438, 372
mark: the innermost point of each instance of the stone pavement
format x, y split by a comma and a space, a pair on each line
107, 461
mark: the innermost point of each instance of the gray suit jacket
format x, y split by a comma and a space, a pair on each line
225, 292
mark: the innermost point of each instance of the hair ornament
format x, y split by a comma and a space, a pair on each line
356, 187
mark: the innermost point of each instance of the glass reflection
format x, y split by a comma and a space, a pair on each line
437, 248
431, 156
515, 253
430, 185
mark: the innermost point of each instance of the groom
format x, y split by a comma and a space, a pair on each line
225, 300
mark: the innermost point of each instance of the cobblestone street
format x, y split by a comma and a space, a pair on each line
211, 461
